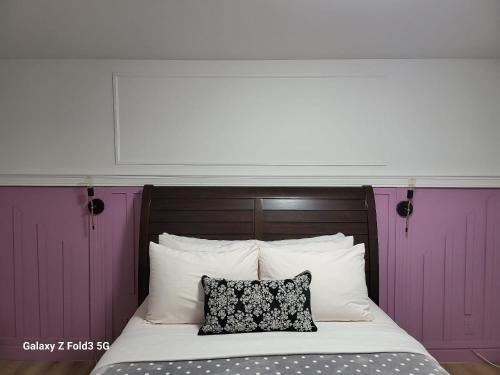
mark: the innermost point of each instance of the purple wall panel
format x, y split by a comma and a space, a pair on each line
7, 261
62, 281
59, 280
439, 281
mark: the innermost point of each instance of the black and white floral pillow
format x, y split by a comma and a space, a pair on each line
236, 306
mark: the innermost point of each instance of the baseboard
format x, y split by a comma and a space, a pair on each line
465, 355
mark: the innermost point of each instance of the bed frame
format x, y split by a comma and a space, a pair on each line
264, 213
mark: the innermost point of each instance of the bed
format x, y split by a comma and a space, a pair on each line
264, 213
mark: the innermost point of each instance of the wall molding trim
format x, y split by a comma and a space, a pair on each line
119, 160
12, 179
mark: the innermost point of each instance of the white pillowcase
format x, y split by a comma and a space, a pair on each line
338, 286
316, 243
175, 294
195, 244
333, 237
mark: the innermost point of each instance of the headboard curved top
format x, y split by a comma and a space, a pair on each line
264, 213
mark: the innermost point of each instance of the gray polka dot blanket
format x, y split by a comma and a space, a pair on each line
308, 364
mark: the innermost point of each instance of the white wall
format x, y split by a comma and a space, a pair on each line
343, 122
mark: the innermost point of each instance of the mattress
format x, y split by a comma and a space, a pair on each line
376, 347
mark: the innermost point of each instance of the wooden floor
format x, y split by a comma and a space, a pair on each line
470, 369
45, 368
84, 368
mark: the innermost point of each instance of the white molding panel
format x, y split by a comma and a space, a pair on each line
246, 120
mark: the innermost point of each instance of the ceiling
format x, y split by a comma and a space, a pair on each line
249, 29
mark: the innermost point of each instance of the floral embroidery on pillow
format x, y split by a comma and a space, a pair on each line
237, 306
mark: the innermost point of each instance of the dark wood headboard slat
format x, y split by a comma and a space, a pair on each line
203, 204
203, 216
316, 216
265, 213
201, 228
234, 192
314, 204
315, 228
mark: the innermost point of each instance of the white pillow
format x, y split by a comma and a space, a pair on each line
338, 287
196, 244
333, 237
301, 245
175, 294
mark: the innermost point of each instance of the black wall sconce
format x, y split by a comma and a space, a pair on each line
405, 208
95, 205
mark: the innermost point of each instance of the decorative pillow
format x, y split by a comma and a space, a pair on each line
339, 290
237, 306
175, 292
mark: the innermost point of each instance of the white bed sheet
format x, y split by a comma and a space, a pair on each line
144, 341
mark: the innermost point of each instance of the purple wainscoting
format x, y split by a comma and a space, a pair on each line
60, 281
441, 282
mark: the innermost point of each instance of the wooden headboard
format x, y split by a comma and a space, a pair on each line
264, 213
